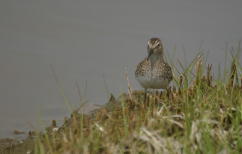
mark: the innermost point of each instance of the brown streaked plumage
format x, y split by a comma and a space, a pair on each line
153, 72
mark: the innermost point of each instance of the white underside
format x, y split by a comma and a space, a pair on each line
153, 83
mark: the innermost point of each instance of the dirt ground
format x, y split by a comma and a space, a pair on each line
14, 146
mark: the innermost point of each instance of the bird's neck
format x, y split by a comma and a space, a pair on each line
155, 57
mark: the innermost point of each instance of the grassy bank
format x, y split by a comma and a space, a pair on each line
199, 114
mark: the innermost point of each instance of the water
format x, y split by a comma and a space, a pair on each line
92, 44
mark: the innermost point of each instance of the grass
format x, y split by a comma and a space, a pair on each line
199, 114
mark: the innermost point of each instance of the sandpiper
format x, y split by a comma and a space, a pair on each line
153, 72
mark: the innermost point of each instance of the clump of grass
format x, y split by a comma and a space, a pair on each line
197, 115
200, 115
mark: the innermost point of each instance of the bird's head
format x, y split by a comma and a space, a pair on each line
154, 47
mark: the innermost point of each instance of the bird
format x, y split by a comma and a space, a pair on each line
154, 72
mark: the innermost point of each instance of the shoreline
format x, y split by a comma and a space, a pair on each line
17, 137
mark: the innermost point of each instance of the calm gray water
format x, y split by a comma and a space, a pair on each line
92, 44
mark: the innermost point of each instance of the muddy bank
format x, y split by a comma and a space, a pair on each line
14, 146
23, 142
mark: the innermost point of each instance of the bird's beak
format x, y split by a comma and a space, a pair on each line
150, 53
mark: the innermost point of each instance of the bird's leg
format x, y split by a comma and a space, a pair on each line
145, 95
156, 95
160, 93
168, 91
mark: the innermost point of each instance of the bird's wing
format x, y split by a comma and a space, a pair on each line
142, 67
167, 72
